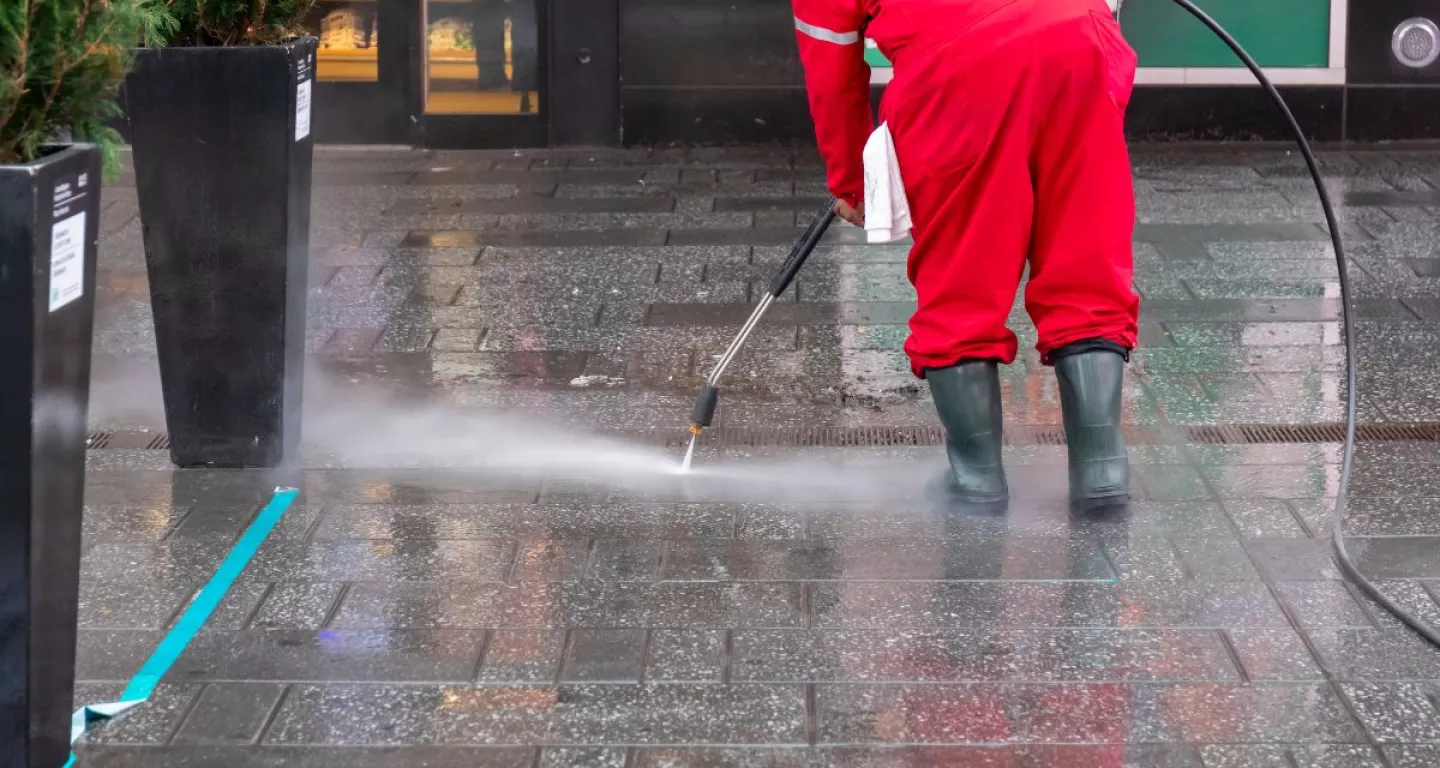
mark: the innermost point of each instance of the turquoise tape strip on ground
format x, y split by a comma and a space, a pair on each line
142, 685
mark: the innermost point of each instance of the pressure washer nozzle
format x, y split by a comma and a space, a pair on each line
696, 429
704, 411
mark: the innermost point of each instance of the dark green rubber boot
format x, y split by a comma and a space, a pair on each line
967, 397
1090, 383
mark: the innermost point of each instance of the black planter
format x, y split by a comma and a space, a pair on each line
49, 222
222, 151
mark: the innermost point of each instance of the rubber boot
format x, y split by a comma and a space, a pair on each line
1090, 384
967, 397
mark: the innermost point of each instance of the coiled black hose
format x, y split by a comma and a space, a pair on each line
1347, 313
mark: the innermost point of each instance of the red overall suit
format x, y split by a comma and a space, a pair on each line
1007, 117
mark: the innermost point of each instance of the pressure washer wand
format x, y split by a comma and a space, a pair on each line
704, 411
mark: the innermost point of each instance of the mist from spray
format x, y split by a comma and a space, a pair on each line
125, 393
351, 424
360, 432
363, 431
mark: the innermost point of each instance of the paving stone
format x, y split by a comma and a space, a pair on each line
304, 757
882, 756
604, 655
545, 606
1290, 756
1294, 559
1413, 755
1396, 712
122, 523
230, 713
522, 205
1408, 557
551, 561
979, 656
1045, 713
522, 657
553, 518
563, 715
626, 560
1264, 518
1273, 655
401, 560
1368, 654
1412, 597
579, 757
691, 655
1215, 559
894, 605
1323, 604
453, 176
326, 655
171, 564
884, 560
129, 605
1141, 558
461, 238
296, 605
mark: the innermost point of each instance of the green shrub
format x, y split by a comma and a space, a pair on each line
237, 22
61, 63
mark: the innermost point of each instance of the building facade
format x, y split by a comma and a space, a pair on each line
510, 73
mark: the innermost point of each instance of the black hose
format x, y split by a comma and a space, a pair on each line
1347, 313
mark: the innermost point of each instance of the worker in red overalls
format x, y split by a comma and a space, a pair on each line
1007, 121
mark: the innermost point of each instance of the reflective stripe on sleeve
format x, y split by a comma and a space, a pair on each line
827, 35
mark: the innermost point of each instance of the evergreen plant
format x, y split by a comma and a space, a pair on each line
237, 22
61, 64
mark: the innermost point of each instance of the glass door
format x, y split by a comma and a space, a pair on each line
482, 73
360, 70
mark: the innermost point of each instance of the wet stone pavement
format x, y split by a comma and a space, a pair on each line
490, 564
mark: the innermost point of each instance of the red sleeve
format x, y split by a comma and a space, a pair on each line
837, 81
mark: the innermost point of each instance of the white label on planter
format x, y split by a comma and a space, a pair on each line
67, 261
302, 110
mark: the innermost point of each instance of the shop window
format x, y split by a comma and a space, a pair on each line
481, 57
349, 40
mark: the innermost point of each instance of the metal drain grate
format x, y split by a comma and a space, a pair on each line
128, 440
1025, 435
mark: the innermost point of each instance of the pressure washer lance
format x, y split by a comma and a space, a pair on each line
704, 411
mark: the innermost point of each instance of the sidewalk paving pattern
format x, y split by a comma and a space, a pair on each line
806, 606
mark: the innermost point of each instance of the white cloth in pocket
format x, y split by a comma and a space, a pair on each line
887, 211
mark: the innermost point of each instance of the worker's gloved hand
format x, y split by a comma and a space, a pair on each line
851, 214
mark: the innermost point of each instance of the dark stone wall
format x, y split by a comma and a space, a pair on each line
711, 72
725, 71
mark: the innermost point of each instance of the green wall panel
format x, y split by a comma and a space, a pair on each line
1278, 33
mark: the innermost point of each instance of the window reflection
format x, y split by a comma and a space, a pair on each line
349, 40
482, 57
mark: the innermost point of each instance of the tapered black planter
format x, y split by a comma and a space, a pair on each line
222, 150
49, 222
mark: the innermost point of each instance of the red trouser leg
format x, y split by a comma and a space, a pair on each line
962, 140
1081, 257
1012, 153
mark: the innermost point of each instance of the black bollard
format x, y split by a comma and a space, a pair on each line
223, 148
49, 223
